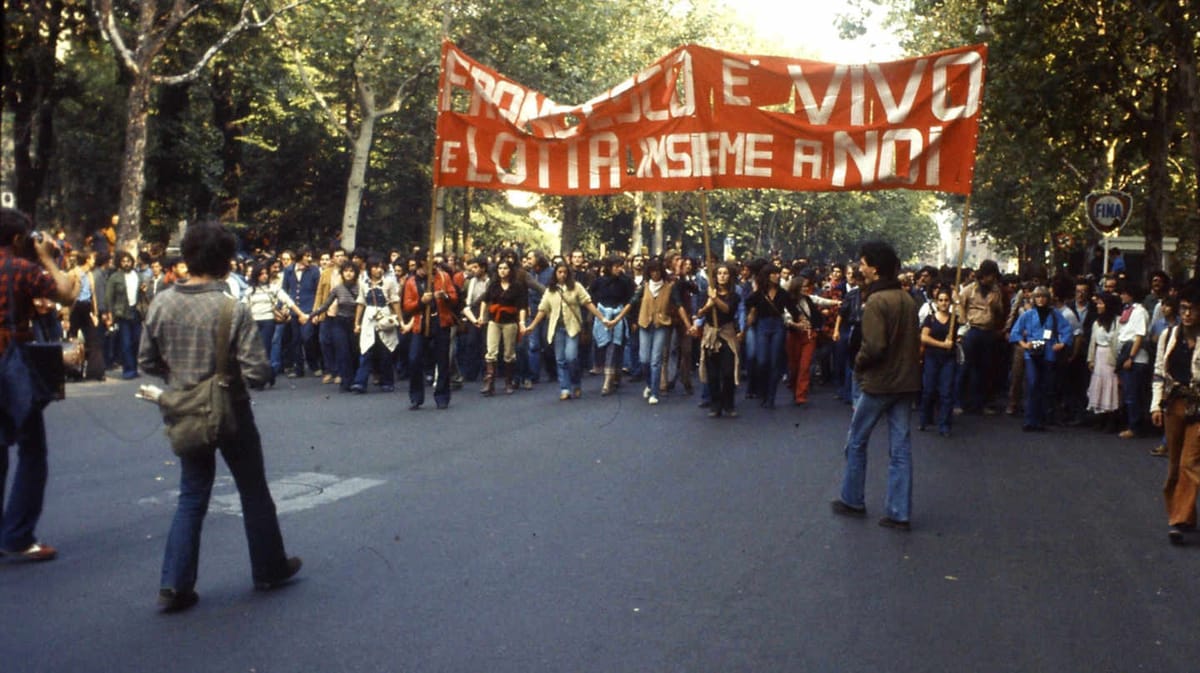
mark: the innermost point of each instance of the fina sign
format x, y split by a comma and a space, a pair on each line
1109, 211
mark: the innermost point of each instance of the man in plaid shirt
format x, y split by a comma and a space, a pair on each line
23, 280
179, 344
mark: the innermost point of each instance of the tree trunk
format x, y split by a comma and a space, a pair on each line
133, 164
571, 207
658, 223
1159, 188
635, 236
358, 169
229, 109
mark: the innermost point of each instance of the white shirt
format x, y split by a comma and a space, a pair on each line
1137, 325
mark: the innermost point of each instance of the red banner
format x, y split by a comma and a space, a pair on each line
701, 118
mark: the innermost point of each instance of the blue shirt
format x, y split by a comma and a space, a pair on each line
1054, 330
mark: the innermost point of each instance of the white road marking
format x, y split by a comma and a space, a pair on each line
292, 493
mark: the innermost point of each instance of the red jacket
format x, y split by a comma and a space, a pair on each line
411, 300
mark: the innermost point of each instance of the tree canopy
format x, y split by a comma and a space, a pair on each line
313, 122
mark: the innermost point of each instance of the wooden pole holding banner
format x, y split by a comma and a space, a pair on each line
962, 255
436, 194
708, 257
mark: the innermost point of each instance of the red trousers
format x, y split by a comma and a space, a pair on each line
800, 347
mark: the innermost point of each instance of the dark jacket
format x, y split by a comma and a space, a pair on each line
889, 360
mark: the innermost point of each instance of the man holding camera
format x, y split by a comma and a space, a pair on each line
28, 270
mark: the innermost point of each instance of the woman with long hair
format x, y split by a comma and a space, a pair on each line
504, 303
768, 309
343, 298
658, 307
85, 314
1104, 389
263, 297
940, 365
719, 343
562, 307
612, 291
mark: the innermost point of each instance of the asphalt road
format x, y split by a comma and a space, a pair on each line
525, 534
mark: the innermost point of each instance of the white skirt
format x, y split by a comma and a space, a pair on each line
1104, 391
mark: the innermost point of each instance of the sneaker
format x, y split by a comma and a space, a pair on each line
843, 509
564, 395
1127, 434
357, 389
170, 600
33, 553
577, 393
652, 400
327, 379
317, 372
646, 393
731, 413
889, 522
1175, 535
527, 384
293, 566
1160, 450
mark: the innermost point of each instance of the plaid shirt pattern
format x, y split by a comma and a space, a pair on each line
179, 339
28, 282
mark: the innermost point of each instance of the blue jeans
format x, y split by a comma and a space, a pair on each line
243, 455
129, 331
344, 348
652, 341
869, 409
978, 353
19, 516
1133, 384
469, 352
325, 339
937, 382
632, 351
531, 367
270, 333
566, 355
379, 358
439, 341
770, 356
276, 349
1039, 380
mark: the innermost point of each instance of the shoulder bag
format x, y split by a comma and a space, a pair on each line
199, 417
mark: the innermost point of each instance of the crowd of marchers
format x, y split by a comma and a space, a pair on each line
1062, 350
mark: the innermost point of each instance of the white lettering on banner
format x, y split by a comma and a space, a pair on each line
687, 155
543, 167
473, 159
858, 96
730, 80
754, 154
599, 159
817, 114
941, 104
450, 155
485, 90
573, 165
897, 113
518, 174
807, 153
933, 165
889, 164
877, 158
865, 157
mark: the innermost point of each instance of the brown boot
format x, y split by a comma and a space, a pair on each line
510, 381
610, 376
489, 379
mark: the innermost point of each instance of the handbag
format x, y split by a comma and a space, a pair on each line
199, 417
1123, 354
280, 313
386, 321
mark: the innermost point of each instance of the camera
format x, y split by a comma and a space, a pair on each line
1037, 349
